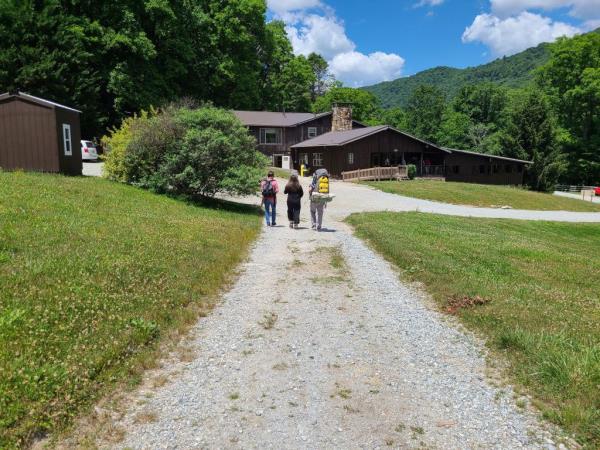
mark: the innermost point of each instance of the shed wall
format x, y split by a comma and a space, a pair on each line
28, 137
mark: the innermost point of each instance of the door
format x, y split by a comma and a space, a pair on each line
277, 160
286, 163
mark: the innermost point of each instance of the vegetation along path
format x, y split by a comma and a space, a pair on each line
320, 345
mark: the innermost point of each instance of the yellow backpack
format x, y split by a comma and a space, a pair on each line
323, 185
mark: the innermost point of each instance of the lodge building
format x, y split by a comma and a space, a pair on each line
337, 142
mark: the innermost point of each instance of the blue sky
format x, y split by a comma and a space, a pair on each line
367, 42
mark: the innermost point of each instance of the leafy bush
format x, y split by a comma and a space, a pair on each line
186, 151
412, 171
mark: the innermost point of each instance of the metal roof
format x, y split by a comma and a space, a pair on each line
276, 119
487, 155
339, 138
38, 100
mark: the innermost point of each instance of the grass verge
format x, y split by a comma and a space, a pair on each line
530, 287
484, 195
93, 274
281, 173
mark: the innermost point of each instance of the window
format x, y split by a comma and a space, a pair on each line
67, 144
508, 168
304, 158
312, 132
318, 159
456, 169
350, 158
270, 136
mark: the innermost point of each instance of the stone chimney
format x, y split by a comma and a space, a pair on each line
342, 117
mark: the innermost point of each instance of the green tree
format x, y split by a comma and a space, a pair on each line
571, 80
425, 110
294, 85
323, 79
531, 134
365, 107
482, 103
454, 130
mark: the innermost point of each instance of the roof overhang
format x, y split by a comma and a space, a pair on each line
503, 158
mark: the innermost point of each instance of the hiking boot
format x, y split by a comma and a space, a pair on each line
296, 226
291, 224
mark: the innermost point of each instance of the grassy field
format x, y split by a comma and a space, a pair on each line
281, 173
93, 275
531, 288
483, 195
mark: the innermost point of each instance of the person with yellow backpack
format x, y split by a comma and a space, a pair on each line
319, 197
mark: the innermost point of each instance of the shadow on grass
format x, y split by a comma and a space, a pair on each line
222, 205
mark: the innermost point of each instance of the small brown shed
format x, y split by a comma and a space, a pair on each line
39, 135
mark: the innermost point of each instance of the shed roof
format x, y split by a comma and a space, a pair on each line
504, 158
37, 100
276, 119
339, 138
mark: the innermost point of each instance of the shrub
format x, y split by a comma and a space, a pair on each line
186, 151
412, 171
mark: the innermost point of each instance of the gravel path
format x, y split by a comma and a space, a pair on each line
320, 345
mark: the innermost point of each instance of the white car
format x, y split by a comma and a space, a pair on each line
88, 151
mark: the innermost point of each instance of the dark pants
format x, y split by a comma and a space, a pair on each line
293, 212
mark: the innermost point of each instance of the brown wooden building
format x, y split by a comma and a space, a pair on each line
277, 132
383, 145
39, 135
473, 167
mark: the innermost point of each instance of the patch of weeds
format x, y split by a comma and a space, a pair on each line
400, 428
294, 404
337, 260
268, 321
373, 391
145, 417
187, 354
234, 396
417, 431
350, 409
456, 303
247, 352
389, 442
159, 381
328, 279
521, 403
281, 366
342, 392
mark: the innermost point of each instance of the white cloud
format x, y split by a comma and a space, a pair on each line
358, 69
428, 3
320, 34
313, 27
514, 34
583, 9
281, 7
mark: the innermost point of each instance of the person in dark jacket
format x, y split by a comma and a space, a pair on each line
294, 192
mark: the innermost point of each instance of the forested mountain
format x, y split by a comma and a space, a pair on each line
512, 71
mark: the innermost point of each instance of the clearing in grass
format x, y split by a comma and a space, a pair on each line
92, 274
484, 195
530, 287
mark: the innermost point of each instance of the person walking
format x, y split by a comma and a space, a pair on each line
317, 203
270, 189
294, 191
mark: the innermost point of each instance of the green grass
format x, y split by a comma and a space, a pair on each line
483, 195
538, 283
93, 275
281, 173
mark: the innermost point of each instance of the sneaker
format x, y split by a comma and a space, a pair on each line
318, 228
313, 226
268, 224
274, 224
296, 226
291, 225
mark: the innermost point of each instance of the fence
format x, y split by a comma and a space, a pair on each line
376, 174
571, 188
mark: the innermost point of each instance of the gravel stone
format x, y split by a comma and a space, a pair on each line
355, 359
